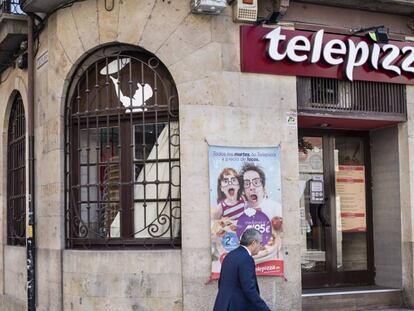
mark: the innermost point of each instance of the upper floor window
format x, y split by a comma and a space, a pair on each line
16, 175
122, 152
10, 6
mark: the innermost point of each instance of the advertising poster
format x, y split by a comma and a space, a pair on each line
245, 192
350, 188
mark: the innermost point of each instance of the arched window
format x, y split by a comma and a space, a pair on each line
16, 175
122, 152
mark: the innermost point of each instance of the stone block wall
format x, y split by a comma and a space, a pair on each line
122, 280
406, 151
202, 54
385, 169
218, 105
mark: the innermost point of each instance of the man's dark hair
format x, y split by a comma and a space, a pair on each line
252, 167
249, 236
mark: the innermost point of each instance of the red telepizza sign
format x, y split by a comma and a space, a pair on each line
320, 54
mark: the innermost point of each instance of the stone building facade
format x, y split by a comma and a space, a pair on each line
218, 104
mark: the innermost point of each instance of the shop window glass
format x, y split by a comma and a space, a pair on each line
311, 170
351, 211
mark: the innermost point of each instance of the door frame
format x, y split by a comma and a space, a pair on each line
332, 277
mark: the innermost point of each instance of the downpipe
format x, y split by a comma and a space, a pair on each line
30, 232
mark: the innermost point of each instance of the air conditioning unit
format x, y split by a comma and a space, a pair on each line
208, 6
245, 11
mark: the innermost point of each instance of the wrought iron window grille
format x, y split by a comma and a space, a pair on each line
16, 175
122, 153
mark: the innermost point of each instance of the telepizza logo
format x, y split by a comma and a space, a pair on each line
336, 52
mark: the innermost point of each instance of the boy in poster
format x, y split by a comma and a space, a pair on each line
254, 184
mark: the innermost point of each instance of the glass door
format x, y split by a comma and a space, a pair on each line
335, 205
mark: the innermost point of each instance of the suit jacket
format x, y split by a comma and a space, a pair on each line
238, 288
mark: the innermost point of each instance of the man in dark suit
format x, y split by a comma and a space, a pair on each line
238, 288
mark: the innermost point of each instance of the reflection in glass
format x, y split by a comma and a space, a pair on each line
156, 190
99, 180
350, 182
312, 208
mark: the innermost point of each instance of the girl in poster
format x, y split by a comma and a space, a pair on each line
230, 201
